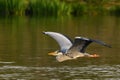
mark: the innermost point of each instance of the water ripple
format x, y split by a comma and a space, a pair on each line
103, 72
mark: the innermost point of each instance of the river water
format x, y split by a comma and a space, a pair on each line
24, 48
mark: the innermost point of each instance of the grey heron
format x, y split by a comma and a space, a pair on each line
72, 49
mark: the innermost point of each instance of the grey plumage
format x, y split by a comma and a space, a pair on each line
80, 44
71, 49
64, 42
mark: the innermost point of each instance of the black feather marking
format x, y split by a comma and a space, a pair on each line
101, 43
80, 44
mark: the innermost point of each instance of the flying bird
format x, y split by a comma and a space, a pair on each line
72, 49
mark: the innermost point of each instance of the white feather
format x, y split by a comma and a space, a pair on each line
62, 40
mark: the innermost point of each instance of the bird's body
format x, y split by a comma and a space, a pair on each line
72, 50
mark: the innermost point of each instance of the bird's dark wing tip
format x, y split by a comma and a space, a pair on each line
102, 43
109, 46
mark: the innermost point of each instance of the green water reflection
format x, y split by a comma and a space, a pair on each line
23, 44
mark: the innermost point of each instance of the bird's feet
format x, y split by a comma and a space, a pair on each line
94, 55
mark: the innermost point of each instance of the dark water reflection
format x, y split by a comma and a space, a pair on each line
23, 48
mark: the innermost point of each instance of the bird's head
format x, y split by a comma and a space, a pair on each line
55, 53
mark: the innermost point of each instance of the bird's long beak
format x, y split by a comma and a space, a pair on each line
52, 53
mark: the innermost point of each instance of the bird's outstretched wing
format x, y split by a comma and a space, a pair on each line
80, 44
64, 42
101, 43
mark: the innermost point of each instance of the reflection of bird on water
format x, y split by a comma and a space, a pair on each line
72, 50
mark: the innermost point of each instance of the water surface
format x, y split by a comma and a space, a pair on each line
23, 48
